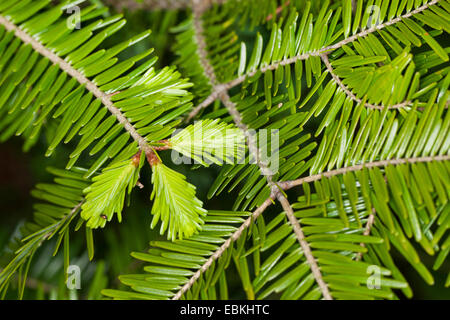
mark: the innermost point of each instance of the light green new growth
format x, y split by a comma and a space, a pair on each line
107, 193
210, 141
175, 204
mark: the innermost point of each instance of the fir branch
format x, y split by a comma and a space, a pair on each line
233, 83
199, 7
352, 95
286, 185
236, 235
89, 85
255, 152
60, 223
365, 33
252, 145
221, 91
169, 184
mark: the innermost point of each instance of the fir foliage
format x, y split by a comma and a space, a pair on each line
357, 91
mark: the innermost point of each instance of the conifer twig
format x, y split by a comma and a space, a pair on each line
352, 96
286, 185
235, 82
255, 152
305, 247
236, 235
74, 73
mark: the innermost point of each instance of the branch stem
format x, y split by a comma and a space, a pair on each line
369, 224
305, 247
